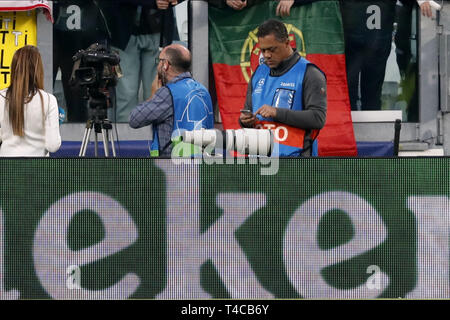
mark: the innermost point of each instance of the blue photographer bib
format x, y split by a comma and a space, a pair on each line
281, 92
192, 111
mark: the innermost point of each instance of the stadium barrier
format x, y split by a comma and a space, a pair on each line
144, 228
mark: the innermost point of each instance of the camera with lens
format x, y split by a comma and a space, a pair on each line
96, 69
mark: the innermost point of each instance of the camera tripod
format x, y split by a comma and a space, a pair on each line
100, 125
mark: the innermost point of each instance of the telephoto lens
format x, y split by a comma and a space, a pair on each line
255, 142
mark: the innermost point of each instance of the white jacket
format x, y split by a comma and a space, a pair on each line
40, 136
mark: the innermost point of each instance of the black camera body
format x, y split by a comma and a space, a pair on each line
95, 67
97, 70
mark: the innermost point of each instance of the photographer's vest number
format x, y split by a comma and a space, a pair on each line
193, 110
281, 92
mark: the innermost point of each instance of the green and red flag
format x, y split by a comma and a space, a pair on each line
315, 30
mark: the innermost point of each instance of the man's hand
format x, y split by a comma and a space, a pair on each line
237, 4
164, 4
425, 8
156, 84
267, 111
247, 119
284, 8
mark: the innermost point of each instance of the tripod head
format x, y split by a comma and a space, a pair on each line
98, 104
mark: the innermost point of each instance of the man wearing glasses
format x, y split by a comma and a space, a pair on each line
287, 94
177, 103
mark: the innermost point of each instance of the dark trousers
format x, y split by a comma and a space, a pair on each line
65, 45
366, 59
406, 65
403, 37
367, 48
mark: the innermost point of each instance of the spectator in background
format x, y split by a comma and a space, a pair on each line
368, 39
138, 29
403, 33
368, 27
407, 65
284, 6
177, 102
234, 4
425, 8
29, 124
78, 24
406, 61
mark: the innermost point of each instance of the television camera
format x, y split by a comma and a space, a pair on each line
96, 70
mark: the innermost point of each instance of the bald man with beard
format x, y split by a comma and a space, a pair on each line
178, 103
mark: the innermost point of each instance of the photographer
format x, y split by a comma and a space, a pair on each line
286, 93
178, 102
28, 115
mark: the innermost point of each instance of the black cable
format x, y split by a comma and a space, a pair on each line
397, 126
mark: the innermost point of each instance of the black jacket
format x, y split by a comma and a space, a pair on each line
93, 27
121, 14
354, 15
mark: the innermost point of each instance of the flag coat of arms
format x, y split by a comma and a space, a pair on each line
315, 30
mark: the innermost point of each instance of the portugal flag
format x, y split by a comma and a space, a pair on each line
315, 30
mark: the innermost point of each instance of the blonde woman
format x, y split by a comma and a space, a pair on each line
29, 123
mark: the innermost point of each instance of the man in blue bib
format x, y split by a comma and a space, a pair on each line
178, 103
286, 94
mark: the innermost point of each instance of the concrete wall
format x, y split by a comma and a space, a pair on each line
45, 45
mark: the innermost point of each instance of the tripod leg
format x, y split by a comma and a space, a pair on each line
111, 138
105, 142
96, 145
85, 142
86, 137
